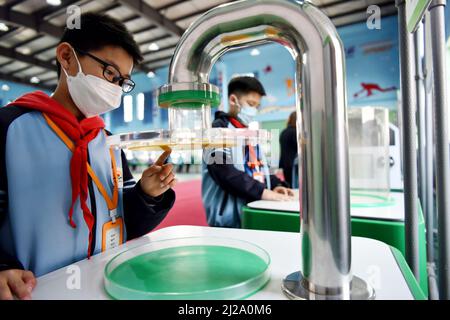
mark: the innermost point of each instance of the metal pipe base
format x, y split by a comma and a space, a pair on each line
294, 288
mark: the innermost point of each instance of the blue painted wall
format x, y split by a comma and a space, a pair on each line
15, 90
372, 64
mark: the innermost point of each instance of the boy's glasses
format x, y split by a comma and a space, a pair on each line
111, 73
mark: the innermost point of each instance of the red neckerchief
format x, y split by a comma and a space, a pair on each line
235, 122
81, 133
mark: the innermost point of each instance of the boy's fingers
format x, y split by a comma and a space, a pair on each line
173, 183
29, 278
166, 171
164, 189
152, 170
168, 179
162, 158
5, 292
283, 197
19, 288
169, 183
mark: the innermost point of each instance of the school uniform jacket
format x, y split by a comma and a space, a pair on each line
35, 196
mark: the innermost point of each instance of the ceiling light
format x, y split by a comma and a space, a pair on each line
5, 87
153, 47
151, 74
35, 80
3, 27
25, 50
54, 2
255, 52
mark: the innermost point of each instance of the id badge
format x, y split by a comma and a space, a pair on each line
259, 176
119, 175
112, 235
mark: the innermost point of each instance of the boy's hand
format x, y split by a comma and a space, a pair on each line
284, 190
17, 283
275, 196
159, 177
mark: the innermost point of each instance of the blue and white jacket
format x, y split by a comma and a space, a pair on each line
35, 196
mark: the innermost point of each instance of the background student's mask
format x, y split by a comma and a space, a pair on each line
92, 95
246, 113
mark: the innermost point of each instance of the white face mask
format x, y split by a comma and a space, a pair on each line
93, 96
246, 113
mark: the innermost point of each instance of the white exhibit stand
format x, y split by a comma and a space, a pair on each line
372, 261
394, 212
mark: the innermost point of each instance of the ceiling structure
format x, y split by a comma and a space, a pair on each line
30, 29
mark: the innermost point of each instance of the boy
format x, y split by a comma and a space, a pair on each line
64, 195
228, 186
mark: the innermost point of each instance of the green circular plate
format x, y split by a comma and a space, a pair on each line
188, 268
360, 199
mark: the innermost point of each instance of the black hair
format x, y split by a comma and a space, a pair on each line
97, 31
245, 85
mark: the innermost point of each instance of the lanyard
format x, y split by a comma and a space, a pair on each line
254, 163
111, 202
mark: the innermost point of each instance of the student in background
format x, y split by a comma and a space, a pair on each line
288, 147
228, 185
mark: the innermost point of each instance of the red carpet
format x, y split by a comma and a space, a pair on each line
188, 208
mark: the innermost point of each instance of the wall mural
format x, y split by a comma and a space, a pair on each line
370, 88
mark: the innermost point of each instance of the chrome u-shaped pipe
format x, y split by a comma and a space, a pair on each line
314, 44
